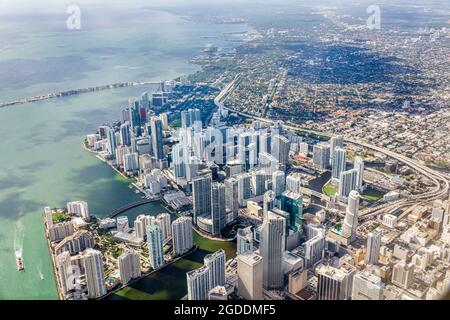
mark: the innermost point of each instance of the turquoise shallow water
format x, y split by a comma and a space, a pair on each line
42, 162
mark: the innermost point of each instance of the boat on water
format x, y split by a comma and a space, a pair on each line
20, 264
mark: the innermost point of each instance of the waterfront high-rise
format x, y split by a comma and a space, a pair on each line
201, 196
244, 240
198, 284
129, 265
231, 196
218, 207
94, 272
250, 276
182, 235
215, 262
111, 144
79, 207
155, 246
272, 247
351, 215
338, 164
65, 272
165, 224
373, 247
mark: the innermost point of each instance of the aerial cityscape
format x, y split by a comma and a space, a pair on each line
234, 151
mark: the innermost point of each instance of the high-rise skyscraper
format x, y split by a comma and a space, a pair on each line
163, 220
201, 194
94, 271
244, 188
280, 149
125, 134
294, 183
155, 246
373, 247
129, 265
278, 182
338, 164
358, 165
231, 196
250, 276
182, 235
268, 202
244, 240
198, 284
79, 207
111, 144
337, 141
292, 203
215, 262
157, 138
272, 247
351, 215
65, 271
258, 182
403, 274
347, 182
321, 155
218, 207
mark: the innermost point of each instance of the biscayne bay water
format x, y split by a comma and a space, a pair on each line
42, 162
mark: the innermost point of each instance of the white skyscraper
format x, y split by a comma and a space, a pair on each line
66, 273
140, 226
258, 182
244, 188
358, 165
250, 276
347, 182
231, 196
268, 202
367, 286
79, 207
165, 224
182, 235
278, 182
321, 155
373, 247
94, 271
351, 215
337, 141
155, 246
129, 265
198, 284
215, 262
338, 164
272, 248
244, 240
280, 149
294, 183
